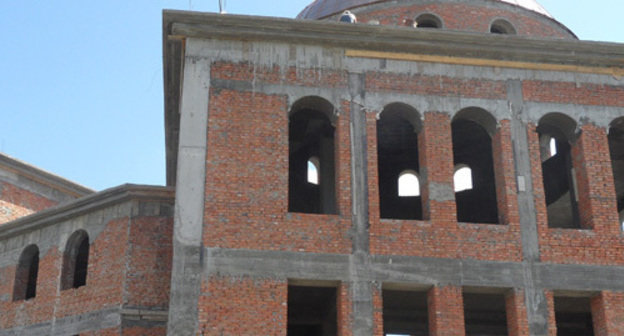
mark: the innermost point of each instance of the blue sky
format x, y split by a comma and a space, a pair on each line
81, 86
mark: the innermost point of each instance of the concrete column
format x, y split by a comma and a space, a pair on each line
446, 311
535, 301
361, 287
189, 206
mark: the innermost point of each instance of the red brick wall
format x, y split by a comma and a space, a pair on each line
446, 311
16, 202
608, 313
248, 150
517, 321
463, 16
243, 306
149, 270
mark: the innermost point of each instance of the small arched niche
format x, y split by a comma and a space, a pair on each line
503, 27
75, 261
25, 286
472, 130
397, 161
616, 150
558, 131
428, 20
311, 140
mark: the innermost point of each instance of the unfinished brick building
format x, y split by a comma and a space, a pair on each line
314, 185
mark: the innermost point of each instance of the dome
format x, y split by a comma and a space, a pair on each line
323, 8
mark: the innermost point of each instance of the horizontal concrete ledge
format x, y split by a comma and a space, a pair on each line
390, 38
398, 270
144, 314
41, 176
86, 204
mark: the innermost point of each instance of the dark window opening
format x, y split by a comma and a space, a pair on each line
397, 163
312, 311
502, 27
558, 172
311, 141
472, 149
616, 149
75, 261
485, 314
26, 274
405, 313
573, 316
428, 21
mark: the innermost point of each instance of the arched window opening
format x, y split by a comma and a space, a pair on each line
26, 274
474, 182
311, 141
616, 150
408, 184
75, 261
397, 162
462, 179
556, 131
428, 21
502, 27
313, 170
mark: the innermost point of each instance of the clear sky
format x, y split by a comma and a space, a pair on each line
81, 81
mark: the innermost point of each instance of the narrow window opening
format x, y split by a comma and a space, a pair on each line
311, 187
75, 261
558, 172
312, 311
485, 314
553, 147
573, 316
474, 182
405, 313
616, 150
397, 163
428, 21
26, 274
462, 179
409, 184
313, 170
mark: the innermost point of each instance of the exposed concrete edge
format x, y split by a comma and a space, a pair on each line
41, 176
84, 205
138, 314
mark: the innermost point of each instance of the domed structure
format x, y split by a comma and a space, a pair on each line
521, 17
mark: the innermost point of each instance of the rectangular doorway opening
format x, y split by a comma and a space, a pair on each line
485, 314
573, 316
312, 311
405, 313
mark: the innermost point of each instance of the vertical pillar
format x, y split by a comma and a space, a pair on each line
607, 310
446, 311
594, 180
517, 324
504, 173
436, 162
186, 272
550, 303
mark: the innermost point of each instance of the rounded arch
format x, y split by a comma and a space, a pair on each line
428, 20
403, 111
617, 123
314, 103
502, 26
559, 125
75, 260
408, 183
25, 286
479, 116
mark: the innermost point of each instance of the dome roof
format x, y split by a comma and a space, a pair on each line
323, 8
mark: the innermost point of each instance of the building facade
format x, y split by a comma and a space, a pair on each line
314, 185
